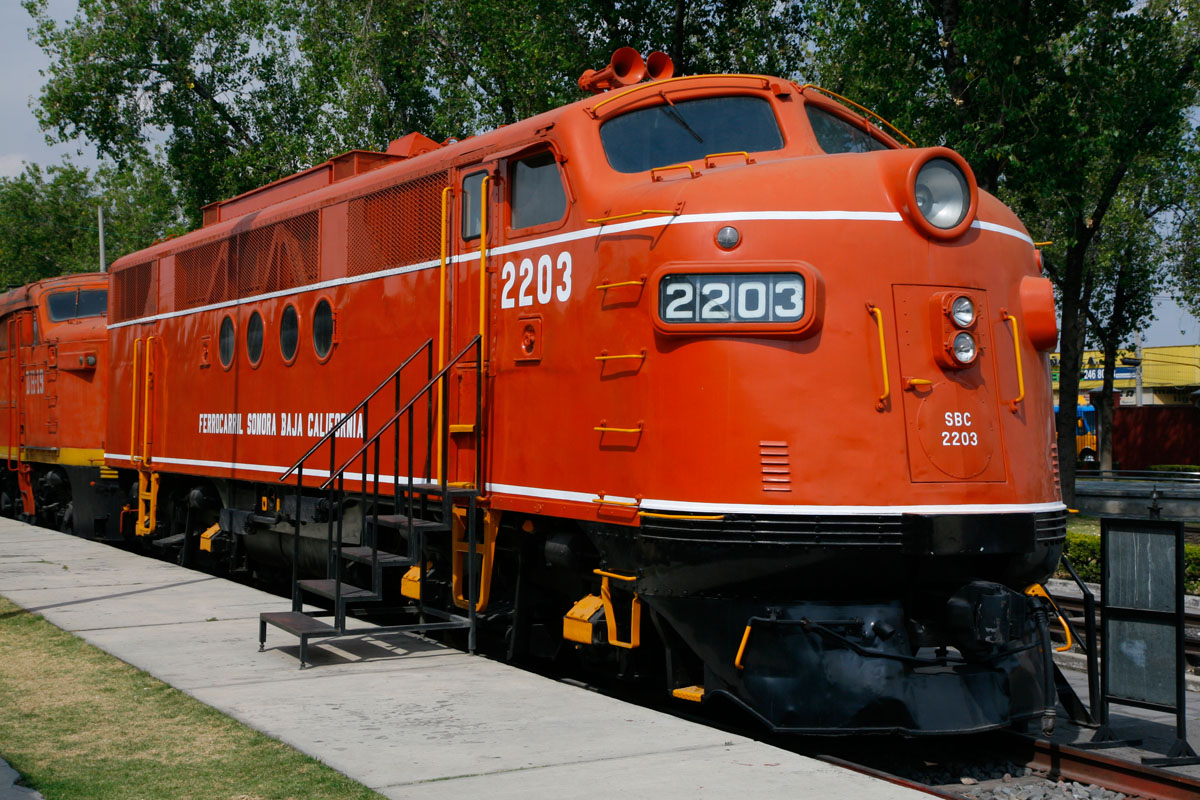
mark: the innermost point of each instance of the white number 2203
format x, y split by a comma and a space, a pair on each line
553, 281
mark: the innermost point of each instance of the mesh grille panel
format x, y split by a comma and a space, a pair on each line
204, 274
279, 256
135, 290
397, 226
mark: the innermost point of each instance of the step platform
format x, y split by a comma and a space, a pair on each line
298, 624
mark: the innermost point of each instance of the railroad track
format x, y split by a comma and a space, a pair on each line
1050, 771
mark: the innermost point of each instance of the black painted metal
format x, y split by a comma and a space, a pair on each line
342, 594
1180, 753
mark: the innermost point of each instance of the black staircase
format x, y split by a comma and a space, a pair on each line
418, 509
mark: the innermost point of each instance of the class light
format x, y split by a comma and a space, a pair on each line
943, 193
728, 237
964, 348
962, 311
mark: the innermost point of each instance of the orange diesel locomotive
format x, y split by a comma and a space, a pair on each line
53, 382
738, 390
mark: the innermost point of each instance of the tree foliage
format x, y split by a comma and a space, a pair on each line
49, 225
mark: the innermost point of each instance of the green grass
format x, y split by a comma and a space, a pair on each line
1081, 523
79, 724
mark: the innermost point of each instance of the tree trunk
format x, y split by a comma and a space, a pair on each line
677, 36
1070, 359
1104, 406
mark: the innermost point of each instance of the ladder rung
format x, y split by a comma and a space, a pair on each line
326, 587
401, 522
362, 555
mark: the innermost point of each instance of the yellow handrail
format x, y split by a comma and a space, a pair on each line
604, 356
133, 404
610, 616
688, 167
881, 403
708, 158
441, 331
639, 282
615, 217
1012, 321
737, 661
656, 515
604, 429
1037, 590
146, 401
766, 83
483, 192
860, 107
601, 501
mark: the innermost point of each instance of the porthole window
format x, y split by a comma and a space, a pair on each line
254, 338
226, 341
289, 333
323, 329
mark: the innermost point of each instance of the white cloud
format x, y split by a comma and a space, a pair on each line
11, 164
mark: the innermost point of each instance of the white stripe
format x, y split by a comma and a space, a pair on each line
664, 505
572, 236
991, 226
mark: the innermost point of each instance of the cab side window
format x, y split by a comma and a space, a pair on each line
537, 191
471, 198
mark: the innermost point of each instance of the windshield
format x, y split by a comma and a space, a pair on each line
689, 130
836, 135
77, 303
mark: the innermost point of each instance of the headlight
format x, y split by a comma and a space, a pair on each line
962, 310
964, 348
943, 194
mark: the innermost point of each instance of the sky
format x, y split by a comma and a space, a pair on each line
21, 140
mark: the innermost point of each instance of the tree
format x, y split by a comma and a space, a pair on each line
48, 223
1053, 103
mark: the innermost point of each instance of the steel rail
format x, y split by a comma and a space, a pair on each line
1115, 774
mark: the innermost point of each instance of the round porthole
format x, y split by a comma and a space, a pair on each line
226, 342
254, 338
289, 333
323, 329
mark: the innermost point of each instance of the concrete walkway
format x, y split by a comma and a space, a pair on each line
406, 717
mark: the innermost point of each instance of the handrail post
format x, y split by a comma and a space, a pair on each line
472, 589
339, 618
376, 575
296, 604
334, 505
479, 378
1093, 655
363, 482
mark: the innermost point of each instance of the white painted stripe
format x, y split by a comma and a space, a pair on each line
991, 226
571, 236
661, 505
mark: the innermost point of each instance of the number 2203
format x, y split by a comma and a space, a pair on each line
959, 438
553, 281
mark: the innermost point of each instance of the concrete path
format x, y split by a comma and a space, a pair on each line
406, 717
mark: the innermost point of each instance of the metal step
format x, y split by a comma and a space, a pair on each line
326, 587
400, 522
168, 541
297, 623
362, 555
440, 490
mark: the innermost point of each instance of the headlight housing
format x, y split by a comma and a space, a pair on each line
943, 194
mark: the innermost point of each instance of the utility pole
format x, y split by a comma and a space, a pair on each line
103, 260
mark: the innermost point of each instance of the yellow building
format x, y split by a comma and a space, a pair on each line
1170, 375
